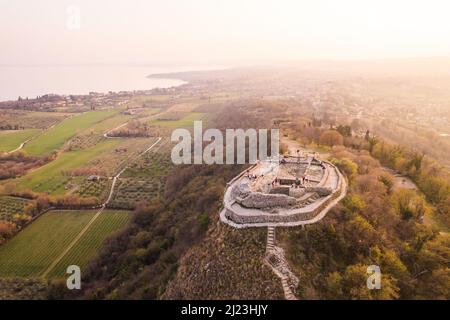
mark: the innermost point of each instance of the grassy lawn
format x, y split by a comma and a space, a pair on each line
11, 139
87, 247
185, 122
55, 138
33, 250
50, 177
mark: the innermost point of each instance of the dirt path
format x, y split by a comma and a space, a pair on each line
19, 147
86, 228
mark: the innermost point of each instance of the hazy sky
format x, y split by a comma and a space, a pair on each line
216, 31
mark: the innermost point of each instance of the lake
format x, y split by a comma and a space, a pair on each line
33, 81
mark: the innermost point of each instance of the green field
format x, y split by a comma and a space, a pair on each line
54, 138
50, 177
185, 122
11, 139
110, 123
34, 249
86, 248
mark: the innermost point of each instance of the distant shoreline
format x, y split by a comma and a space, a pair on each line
26, 82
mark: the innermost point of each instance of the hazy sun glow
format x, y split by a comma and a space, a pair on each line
176, 31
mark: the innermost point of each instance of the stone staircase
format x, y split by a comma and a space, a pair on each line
313, 198
308, 201
270, 239
275, 258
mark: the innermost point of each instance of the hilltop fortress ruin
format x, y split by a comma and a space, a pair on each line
290, 191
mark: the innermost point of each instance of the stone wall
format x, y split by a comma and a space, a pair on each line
260, 200
321, 191
296, 215
242, 194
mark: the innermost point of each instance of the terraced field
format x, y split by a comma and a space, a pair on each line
34, 249
54, 138
11, 139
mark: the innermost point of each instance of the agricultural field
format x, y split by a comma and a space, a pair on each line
54, 138
152, 111
142, 181
51, 178
187, 106
82, 151
69, 170
11, 139
87, 247
99, 189
108, 124
187, 121
129, 192
126, 150
31, 120
10, 206
34, 249
139, 101
148, 114
152, 164
83, 141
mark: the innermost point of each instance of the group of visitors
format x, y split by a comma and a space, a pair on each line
298, 183
252, 177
